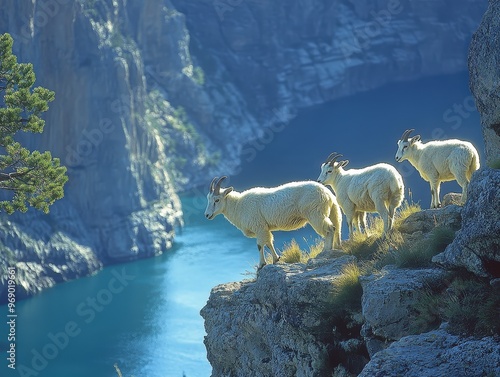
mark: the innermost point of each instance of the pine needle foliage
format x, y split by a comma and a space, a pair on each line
32, 178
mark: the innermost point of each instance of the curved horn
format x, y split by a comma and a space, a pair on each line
212, 184
217, 185
331, 159
406, 134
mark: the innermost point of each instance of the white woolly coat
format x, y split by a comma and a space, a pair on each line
443, 159
362, 188
285, 207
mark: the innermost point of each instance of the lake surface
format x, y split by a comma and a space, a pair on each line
144, 315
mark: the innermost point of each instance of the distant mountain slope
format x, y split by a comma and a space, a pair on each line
156, 96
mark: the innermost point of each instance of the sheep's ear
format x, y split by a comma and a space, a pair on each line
227, 191
344, 163
415, 139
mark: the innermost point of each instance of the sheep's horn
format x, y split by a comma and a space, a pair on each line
217, 185
406, 134
212, 184
331, 159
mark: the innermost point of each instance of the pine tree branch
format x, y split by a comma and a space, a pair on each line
10, 176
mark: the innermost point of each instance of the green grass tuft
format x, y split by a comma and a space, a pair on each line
420, 253
469, 305
403, 212
292, 253
347, 291
472, 307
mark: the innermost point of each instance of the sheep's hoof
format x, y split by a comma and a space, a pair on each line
277, 260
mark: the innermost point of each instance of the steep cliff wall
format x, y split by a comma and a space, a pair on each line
484, 68
120, 201
147, 96
294, 54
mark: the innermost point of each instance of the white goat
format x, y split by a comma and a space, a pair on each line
378, 188
258, 211
439, 161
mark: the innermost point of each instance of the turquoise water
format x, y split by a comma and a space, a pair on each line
144, 315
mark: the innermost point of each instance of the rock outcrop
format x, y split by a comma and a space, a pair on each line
484, 70
476, 247
277, 325
272, 315
436, 353
387, 302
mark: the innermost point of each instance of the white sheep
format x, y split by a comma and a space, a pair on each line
258, 211
378, 188
439, 161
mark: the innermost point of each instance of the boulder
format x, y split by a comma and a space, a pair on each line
476, 247
387, 301
452, 198
434, 354
427, 219
276, 325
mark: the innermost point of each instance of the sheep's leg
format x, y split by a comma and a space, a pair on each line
336, 219
337, 238
464, 192
357, 222
265, 238
262, 260
393, 204
435, 188
275, 256
383, 211
350, 215
392, 211
464, 183
362, 221
438, 189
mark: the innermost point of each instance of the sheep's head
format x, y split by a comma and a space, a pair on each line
330, 168
404, 144
216, 198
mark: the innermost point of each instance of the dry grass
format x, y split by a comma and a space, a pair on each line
403, 212
292, 253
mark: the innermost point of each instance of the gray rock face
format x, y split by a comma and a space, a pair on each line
294, 54
119, 202
436, 354
452, 198
424, 221
388, 298
122, 70
277, 325
484, 69
477, 245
